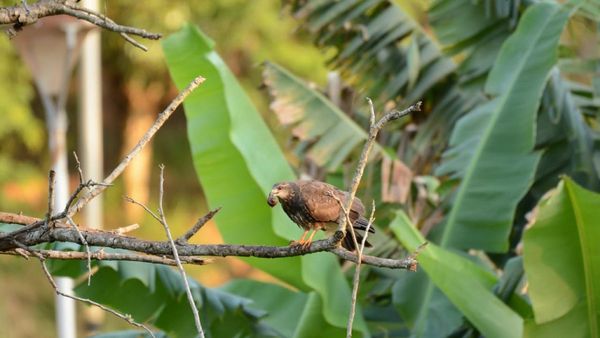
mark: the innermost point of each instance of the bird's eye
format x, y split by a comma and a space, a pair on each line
278, 188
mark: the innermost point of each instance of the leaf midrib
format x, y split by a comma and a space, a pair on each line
585, 257
487, 132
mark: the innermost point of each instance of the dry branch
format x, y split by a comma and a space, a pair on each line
160, 120
126, 318
344, 221
101, 255
19, 16
63, 233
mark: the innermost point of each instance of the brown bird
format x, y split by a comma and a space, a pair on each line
311, 205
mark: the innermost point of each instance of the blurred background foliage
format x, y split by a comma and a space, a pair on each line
466, 174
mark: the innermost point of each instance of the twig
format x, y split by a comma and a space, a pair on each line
344, 222
86, 246
131, 200
413, 256
199, 224
160, 120
42, 259
126, 318
364, 156
123, 34
51, 183
20, 16
78, 167
126, 229
101, 255
356, 280
176, 255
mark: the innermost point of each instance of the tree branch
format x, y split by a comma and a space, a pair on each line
364, 156
101, 255
19, 16
160, 120
163, 221
63, 233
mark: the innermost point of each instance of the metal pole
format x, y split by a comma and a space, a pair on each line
90, 110
90, 137
56, 121
65, 307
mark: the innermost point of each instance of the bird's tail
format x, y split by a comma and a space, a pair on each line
360, 224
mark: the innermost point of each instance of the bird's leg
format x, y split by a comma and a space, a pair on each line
306, 244
301, 240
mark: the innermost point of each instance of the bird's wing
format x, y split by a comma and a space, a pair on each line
317, 197
357, 209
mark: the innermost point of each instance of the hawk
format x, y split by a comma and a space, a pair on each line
312, 205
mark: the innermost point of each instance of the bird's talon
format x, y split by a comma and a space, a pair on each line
297, 243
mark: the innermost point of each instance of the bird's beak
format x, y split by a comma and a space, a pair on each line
272, 199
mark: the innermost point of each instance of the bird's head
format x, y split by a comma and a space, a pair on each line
280, 191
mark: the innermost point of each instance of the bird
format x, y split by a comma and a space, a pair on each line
312, 206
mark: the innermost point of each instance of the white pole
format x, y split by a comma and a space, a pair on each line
90, 137
90, 117
65, 307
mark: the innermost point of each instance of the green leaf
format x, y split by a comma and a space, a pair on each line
283, 306
564, 283
155, 294
491, 148
311, 323
129, 334
313, 117
237, 161
370, 39
6, 228
427, 310
413, 62
466, 284
291, 313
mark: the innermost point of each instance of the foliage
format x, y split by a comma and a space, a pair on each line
462, 280
507, 143
506, 114
237, 161
563, 283
155, 294
479, 153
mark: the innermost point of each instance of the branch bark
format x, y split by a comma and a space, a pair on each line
19, 16
62, 232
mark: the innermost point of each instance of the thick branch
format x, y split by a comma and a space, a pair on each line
63, 233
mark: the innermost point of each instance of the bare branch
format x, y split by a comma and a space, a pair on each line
143, 206
51, 184
364, 156
344, 222
86, 246
199, 224
160, 120
126, 318
356, 280
19, 16
78, 167
101, 255
126, 229
101, 238
163, 221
